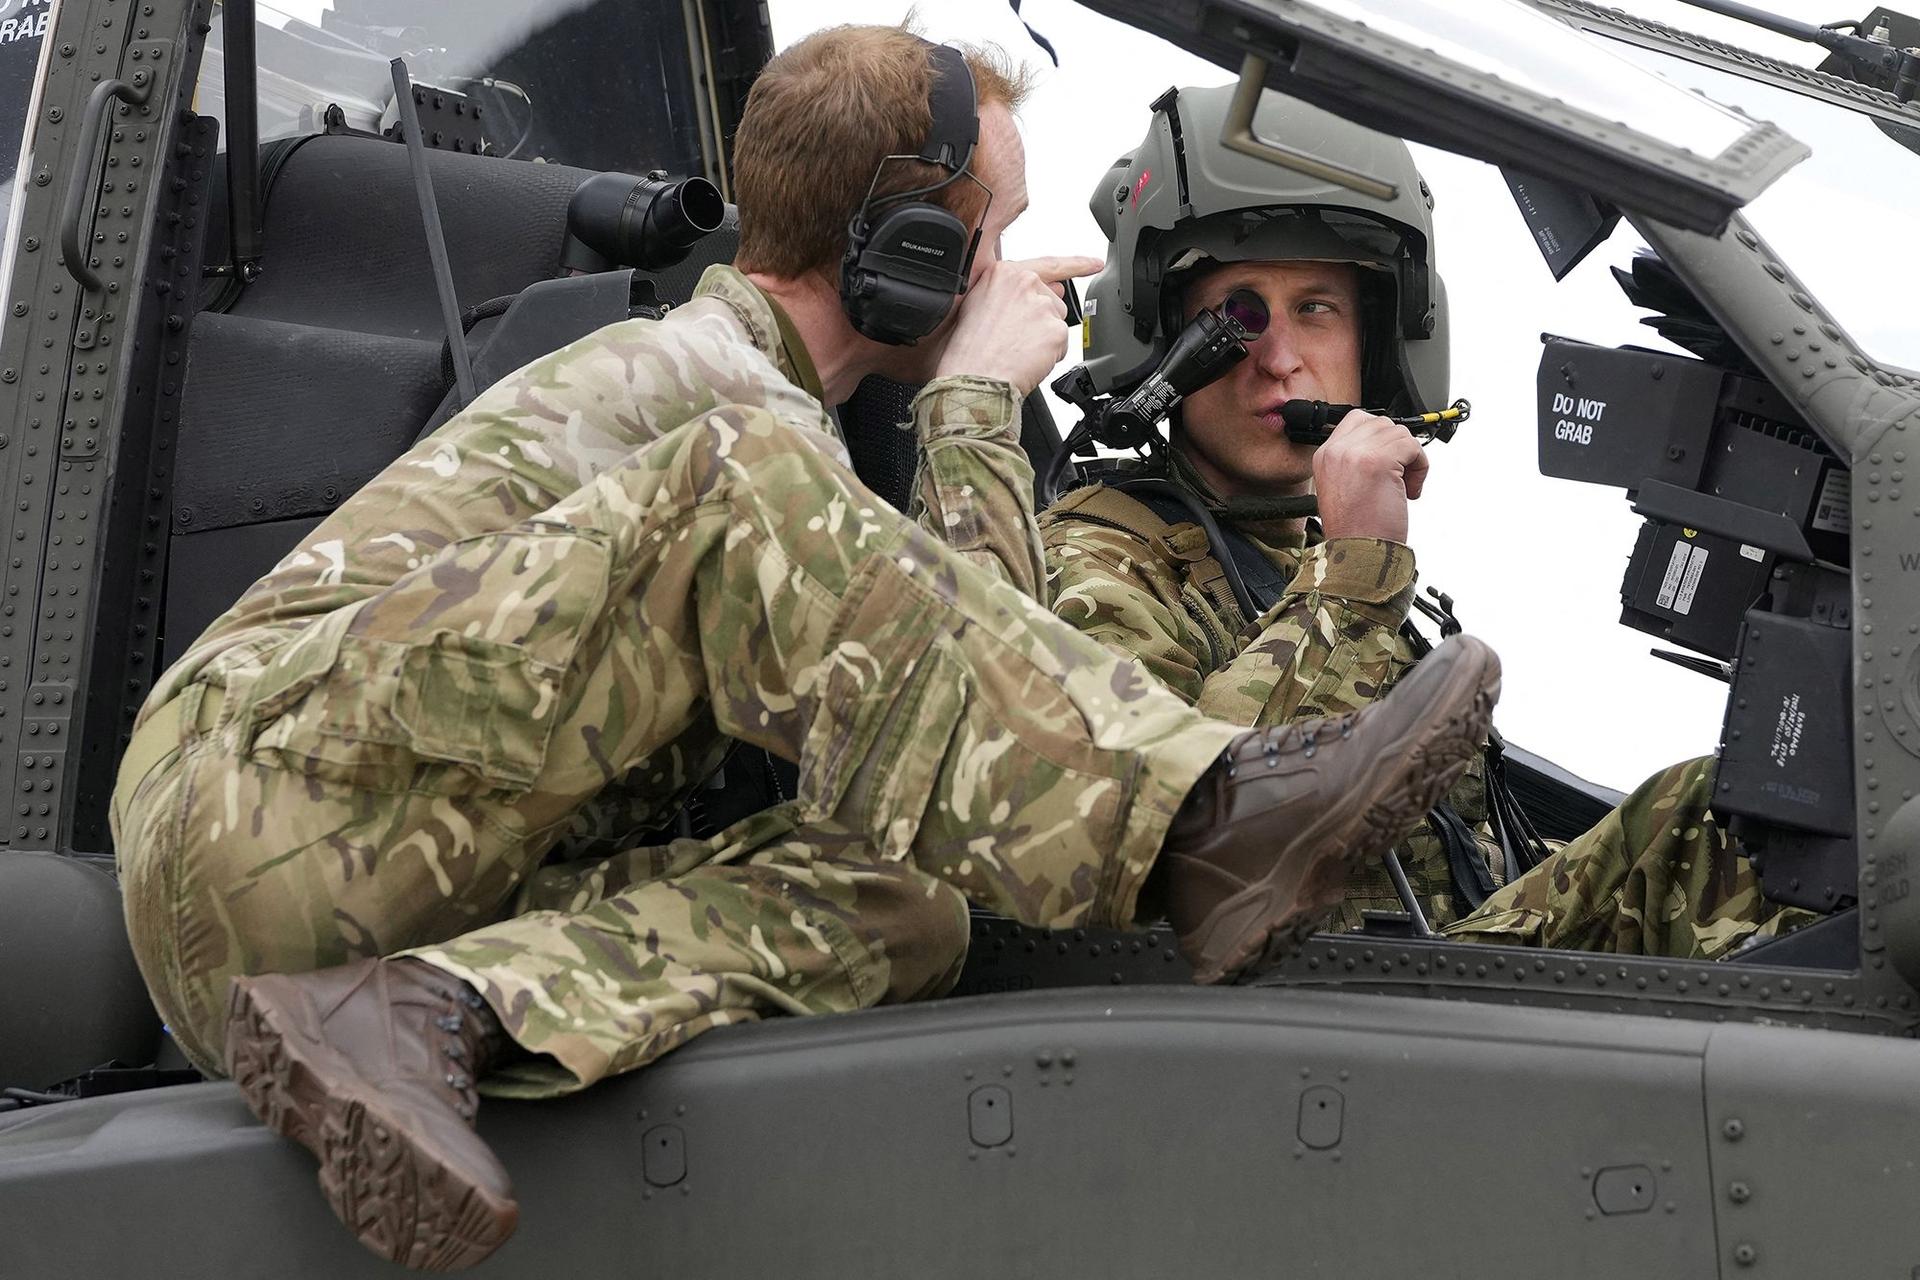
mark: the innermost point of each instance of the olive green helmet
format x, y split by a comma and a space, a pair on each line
1181, 200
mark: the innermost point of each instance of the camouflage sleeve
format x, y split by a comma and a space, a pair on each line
1109, 585
974, 488
1329, 645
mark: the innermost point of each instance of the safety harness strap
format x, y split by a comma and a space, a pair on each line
1181, 545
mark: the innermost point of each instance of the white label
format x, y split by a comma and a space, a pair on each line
1675, 567
1752, 552
1691, 582
1833, 512
27, 26
1576, 417
1787, 730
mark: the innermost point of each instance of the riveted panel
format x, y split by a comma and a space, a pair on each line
123, 662
77, 392
1006, 956
1579, 980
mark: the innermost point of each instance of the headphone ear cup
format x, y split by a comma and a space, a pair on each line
901, 275
858, 232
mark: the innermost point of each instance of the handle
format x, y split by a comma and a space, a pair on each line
1236, 134
74, 211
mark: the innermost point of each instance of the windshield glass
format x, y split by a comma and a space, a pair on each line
601, 84
1843, 219
1525, 48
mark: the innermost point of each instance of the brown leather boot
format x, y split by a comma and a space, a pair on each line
1260, 851
371, 1066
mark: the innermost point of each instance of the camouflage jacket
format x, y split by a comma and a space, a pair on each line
541, 433
522, 445
1329, 645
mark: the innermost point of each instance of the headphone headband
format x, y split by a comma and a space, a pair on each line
955, 128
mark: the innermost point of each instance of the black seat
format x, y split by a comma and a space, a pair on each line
326, 368
346, 249
70, 996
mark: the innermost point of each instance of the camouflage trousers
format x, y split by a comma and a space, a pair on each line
1656, 877
389, 777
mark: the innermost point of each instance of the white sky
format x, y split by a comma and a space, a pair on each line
1534, 565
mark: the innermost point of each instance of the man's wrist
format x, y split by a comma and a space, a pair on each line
966, 404
1366, 570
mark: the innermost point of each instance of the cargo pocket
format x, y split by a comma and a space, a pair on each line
876, 702
918, 734
467, 703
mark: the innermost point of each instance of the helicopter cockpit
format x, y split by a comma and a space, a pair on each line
275, 330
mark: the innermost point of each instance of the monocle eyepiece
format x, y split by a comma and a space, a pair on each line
1212, 343
618, 220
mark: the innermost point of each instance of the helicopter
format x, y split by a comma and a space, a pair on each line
218, 325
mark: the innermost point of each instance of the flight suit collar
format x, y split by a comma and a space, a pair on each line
1272, 522
767, 324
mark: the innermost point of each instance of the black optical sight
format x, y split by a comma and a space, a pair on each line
1212, 343
618, 220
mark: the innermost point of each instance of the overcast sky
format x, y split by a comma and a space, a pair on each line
1534, 565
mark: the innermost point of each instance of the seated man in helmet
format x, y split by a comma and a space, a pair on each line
1358, 316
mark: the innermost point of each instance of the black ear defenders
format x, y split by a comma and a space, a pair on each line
908, 259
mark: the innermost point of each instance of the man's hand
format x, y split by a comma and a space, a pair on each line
1012, 322
1365, 474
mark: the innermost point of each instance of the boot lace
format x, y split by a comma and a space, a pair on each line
472, 1039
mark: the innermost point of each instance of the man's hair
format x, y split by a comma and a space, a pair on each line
818, 121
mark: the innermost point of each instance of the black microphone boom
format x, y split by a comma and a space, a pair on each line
1313, 421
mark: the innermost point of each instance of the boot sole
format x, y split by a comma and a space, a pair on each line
400, 1197
1272, 917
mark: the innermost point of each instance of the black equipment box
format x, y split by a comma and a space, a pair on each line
1785, 774
1729, 478
1690, 586
1741, 557
1786, 751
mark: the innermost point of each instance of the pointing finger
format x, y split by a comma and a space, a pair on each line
1061, 268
